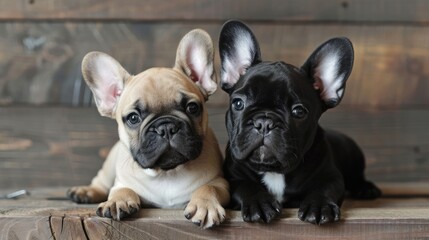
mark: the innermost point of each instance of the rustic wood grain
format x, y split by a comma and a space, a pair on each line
410, 189
395, 142
66, 146
63, 145
385, 218
36, 227
40, 62
218, 10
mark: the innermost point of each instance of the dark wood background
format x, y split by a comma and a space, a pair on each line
49, 136
42, 42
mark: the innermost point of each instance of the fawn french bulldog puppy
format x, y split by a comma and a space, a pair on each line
278, 155
167, 155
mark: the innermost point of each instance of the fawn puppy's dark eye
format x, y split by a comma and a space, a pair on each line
193, 108
133, 119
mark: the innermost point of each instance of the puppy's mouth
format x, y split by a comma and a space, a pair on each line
264, 156
168, 156
167, 143
170, 159
264, 159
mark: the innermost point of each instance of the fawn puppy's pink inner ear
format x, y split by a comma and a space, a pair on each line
197, 62
105, 77
195, 59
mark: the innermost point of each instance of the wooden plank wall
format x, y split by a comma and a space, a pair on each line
42, 42
67, 146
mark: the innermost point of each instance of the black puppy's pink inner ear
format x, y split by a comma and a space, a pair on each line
233, 68
318, 85
327, 78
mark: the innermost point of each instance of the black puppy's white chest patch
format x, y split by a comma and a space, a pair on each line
275, 183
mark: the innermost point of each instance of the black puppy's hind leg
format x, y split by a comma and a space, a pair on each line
354, 178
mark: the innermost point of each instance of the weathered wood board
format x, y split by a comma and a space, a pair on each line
362, 223
218, 10
40, 62
39, 216
52, 146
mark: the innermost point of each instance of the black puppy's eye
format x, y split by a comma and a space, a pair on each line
133, 119
299, 111
238, 104
192, 108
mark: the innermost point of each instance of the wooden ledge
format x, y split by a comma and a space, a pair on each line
45, 214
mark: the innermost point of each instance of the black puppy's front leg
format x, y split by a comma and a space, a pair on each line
257, 204
322, 204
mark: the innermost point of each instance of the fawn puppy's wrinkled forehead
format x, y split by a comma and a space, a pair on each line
156, 89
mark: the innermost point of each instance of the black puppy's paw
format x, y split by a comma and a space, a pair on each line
319, 212
367, 190
261, 207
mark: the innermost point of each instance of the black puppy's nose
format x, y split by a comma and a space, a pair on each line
167, 130
263, 125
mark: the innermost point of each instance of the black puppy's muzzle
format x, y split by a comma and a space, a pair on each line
265, 142
263, 124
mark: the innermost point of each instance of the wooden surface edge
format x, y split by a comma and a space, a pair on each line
351, 214
46, 214
79, 223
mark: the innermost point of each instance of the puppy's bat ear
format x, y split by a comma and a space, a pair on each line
329, 67
105, 77
239, 50
195, 56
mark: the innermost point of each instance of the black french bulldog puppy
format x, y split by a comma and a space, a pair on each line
278, 155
